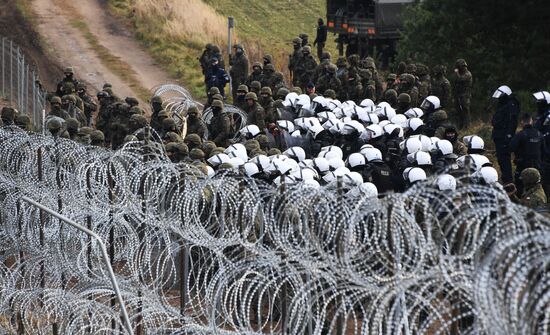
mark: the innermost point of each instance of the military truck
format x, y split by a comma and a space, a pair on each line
366, 25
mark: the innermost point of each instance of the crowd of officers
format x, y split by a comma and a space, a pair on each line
377, 136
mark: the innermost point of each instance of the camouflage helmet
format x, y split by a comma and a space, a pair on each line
54, 124
131, 101
332, 68
326, 55
69, 97
390, 94
297, 40
262, 140
208, 147
182, 149
257, 152
404, 98
282, 93
168, 124
107, 85
438, 69
196, 154
306, 49
8, 113
266, 90
123, 107
81, 86
69, 69
460, 63
156, 99
391, 77
303, 36
330, 94
218, 97
270, 68
408, 78
251, 95
530, 176
136, 111
85, 131
215, 151
440, 116
193, 139
97, 136
257, 64
268, 59
217, 103
72, 124
273, 152
242, 88
341, 61
103, 94
130, 138
23, 120
251, 145
216, 49
193, 109
138, 120
208, 46
173, 137
213, 90
225, 166
163, 114
55, 100
422, 70
410, 68
256, 85
297, 90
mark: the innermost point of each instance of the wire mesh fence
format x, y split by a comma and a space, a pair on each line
234, 255
18, 83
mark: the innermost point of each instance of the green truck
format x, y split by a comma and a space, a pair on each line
366, 25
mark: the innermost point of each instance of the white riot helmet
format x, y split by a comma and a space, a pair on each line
290, 99
305, 174
387, 111
279, 165
261, 161
218, 159
333, 149
414, 123
488, 174
542, 96
325, 116
477, 161
251, 169
420, 158
286, 125
321, 164
431, 103
352, 127
250, 130
312, 183
236, 162
400, 120
369, 190
372, 154
210, 171
444, 146
414, 174
446, 182
411, 144
367, 117
336, 163
330, 123
502, 90
367, 103
356, 159
316, 130
474, 142
426, 142
390, 129
353, 178
296, 153
414, 112
374, 131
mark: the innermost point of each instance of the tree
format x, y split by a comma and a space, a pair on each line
504, 42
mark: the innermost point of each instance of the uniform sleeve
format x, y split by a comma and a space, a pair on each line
514, 143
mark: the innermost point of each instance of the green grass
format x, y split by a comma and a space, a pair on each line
262, 26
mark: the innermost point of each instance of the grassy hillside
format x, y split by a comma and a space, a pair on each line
175, 31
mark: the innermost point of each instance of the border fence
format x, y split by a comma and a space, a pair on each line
18, 82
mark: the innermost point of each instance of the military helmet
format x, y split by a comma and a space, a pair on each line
131, 101
173, 137
193, 139
303, 36
55, 124
262, 140
530, 176
297, 40
85, 131
408, 78
297, 90
251, 145
410, 68
422, 70
103, 94
207, 147
460, 62
168, 124
439, 115
136, 110
213, 90
269, 67
208, 46
215, 49
326, 55
255, 85
391, 77
23, 119
266, 90
217, 103
251, 95
341, 61
242, 88
130, 138
69, 69
332, 68
282, 93
107, 85
81, 86
164, 114
69, 97
196, 153
8, 113
390, 94
268, 59
217, 97
139, 120
330, 94
72, 124
404, 98
257, 64
193, 109
97, 136
306, 49
55, 100
273, 152
182, 149
156, 99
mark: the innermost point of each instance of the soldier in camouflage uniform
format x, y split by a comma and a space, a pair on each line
217, 53
255, 87
239, 68
256, 114
56, 110
205, 58
90, 106
424, 82
156, 106
194, 123
321, 69
68, 102
294, 59
267, 103
69, 79
533, 195
342, 71
241, 93
219, 128
8, 114
390, 96
97, 138
441, 86
272, 79
353, 90
104, 115
391, 81
305, 69
403, 103
329, 80
462, 90
407, 85
370, 65
72, 125
256, 75
119, 124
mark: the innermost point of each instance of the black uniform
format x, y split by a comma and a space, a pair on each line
527, 147
505, 122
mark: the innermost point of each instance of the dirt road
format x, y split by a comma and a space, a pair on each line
71, 48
